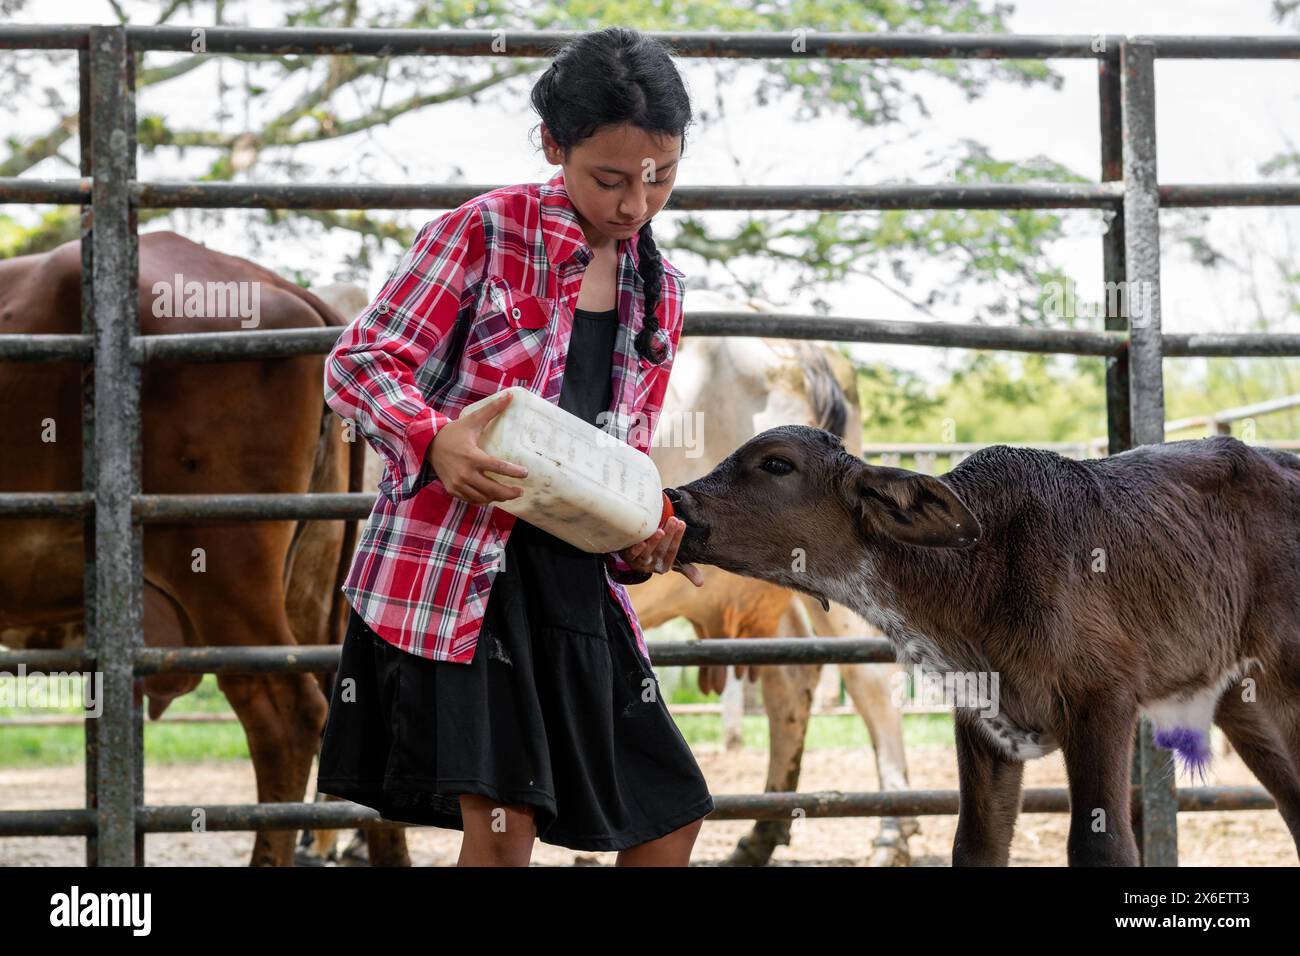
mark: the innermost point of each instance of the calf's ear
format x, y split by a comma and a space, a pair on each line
913, 508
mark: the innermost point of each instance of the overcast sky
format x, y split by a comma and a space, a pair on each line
1217, 121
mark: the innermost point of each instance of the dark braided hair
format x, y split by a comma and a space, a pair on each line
612, 77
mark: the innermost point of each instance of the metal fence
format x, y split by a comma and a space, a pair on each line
115, 818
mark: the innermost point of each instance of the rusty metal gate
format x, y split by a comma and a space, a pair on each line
115, 818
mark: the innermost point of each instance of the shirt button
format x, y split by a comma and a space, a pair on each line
382, 307
515, 313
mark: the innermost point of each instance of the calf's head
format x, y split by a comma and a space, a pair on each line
792, 507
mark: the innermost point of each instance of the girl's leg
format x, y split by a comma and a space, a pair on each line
496, 834
672, 849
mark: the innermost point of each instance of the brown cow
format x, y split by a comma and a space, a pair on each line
256, 426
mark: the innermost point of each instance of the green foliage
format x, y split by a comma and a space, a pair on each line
1032, 399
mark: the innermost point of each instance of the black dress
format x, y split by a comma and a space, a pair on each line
557, 709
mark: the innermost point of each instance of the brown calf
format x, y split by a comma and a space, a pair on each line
1164, 580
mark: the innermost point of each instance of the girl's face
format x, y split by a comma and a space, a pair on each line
617, 178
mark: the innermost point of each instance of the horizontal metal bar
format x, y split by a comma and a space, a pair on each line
834, 803
834, 198
1213, 195
40, 36
170, 719
900, 196
340, 814
45, 504
179, 195
1234, 414
896, 332
18, 190
236, 660
288, 506
750, 45
47, 348
29, 823
1224, 48
234, 346
768, 650
47, 661
543, 43
255, 507
772, 650
322, 814
257, 343
1231, 344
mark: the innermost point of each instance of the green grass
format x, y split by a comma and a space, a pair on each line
184, 743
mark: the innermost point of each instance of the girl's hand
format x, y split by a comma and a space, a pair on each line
658, 553
459, 462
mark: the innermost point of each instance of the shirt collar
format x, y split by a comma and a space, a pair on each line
563, 234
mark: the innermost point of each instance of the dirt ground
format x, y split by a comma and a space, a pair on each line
1246, 838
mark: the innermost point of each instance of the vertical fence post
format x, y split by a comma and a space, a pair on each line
88, 464
1159, 843
1119, 430
118, 572
137, 483
1119, 423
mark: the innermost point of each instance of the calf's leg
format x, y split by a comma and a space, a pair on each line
989, 786
1097, 746
1266, 733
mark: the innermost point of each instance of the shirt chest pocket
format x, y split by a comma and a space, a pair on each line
511, 330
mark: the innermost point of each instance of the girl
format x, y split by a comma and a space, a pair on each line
493, 678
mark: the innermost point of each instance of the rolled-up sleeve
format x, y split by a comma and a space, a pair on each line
371, 373
622, 572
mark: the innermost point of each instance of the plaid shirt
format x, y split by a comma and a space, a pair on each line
493, 282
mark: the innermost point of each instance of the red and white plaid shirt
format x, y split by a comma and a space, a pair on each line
494, 281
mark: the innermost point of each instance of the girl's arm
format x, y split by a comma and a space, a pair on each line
370, 375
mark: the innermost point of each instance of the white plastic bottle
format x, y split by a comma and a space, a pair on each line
583, 486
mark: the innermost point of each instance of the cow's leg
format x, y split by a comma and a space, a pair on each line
989, 785
381, 846
283, 714
386, 846
1266, 733
787, 698
1098, 747
869, 686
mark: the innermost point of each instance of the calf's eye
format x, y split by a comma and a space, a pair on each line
777, 466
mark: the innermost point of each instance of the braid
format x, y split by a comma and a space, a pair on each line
650, 268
